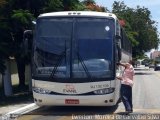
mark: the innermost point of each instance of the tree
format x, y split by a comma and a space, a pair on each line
4, 51
54, 5
63, 5
72, 5
5, 39
91, 5
140, 28
147, 32
88, 2
12, 24
33, 6
21, 20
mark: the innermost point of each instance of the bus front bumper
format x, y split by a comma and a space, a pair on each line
91, 100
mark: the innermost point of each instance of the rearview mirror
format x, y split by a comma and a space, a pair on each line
27, 40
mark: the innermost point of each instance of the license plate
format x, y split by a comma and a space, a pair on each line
71, 101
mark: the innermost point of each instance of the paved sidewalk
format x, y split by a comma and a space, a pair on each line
9, 108
14, 102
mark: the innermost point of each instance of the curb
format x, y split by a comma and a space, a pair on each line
16, 113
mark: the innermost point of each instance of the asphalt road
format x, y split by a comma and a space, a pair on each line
146, 90
146, 99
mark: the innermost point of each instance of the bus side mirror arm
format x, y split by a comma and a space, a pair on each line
27, 36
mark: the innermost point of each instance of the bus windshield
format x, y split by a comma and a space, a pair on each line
74, 47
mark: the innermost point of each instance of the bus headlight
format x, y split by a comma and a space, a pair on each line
41, 90
104, 91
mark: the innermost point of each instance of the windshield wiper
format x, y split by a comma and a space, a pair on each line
59, 61
84, 66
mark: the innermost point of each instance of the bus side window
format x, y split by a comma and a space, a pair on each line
125, 42
118, 40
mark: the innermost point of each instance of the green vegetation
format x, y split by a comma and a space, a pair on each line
140, 28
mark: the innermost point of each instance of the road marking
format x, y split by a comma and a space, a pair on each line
21, 111
24, 109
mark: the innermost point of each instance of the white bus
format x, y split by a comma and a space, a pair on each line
74, 58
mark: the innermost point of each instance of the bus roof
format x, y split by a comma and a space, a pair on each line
78, 13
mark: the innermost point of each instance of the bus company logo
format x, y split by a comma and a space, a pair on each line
69, 89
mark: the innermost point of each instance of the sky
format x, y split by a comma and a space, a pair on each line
152, 5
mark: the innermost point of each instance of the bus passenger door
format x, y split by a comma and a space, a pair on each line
118, 68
